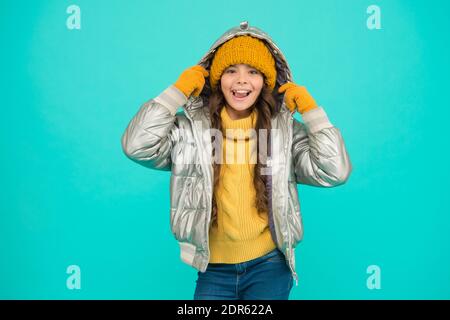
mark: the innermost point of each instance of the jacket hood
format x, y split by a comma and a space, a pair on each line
281, 65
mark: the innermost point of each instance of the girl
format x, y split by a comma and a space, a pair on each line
238, 222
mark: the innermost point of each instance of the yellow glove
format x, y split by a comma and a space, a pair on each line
192, 80
297, 97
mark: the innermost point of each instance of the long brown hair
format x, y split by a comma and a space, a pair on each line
268, 105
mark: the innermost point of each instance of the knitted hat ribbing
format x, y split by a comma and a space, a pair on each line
243, 49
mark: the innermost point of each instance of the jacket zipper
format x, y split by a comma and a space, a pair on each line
206, 173
287, 184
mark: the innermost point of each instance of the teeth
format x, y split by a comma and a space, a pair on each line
241, 91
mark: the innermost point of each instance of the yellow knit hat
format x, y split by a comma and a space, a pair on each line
243, 49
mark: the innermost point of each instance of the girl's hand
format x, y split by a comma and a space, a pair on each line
297, 97
192, 80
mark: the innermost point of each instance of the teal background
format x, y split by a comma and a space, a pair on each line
70, 196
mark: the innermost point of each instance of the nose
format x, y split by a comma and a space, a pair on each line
242, 77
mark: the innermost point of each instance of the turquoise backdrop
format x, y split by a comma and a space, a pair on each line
69, 196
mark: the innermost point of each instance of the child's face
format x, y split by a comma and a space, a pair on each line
241, 77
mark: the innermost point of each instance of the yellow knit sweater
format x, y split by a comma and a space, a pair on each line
241, 234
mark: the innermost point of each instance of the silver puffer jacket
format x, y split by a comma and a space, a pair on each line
159, 137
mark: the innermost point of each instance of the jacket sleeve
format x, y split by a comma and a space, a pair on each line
152, 132
319, 154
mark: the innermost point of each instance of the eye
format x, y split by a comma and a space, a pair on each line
251, 71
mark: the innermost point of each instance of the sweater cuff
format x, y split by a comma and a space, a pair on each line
172, 98
316, 120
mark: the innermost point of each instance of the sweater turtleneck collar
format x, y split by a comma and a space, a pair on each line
245, 123
230, 127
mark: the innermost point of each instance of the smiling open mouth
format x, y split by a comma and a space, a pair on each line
240, 94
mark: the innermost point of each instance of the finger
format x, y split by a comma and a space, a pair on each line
297, 100
204, 72
302, 90
199, 76
199, 86
282, 88
286, 86
290, 102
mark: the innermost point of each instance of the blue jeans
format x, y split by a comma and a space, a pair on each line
265, 278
